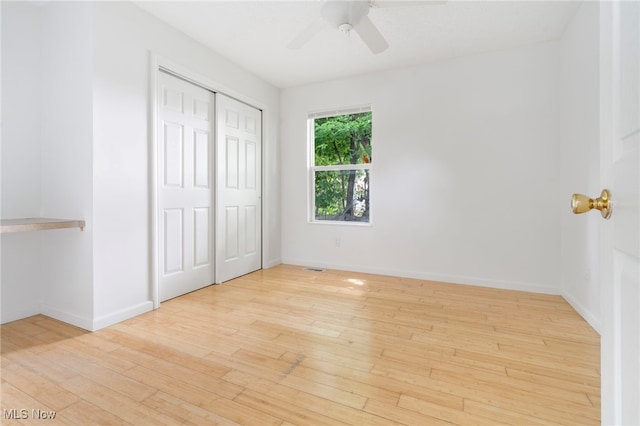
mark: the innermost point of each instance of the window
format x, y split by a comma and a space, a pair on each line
340, 165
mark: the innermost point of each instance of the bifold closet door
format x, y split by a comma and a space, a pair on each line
185, 186
239, 189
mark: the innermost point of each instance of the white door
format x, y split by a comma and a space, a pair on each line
620, 151
239, 189
185, 123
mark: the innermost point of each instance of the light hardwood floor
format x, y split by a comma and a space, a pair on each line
287, 346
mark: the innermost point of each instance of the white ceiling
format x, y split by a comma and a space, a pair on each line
255, 34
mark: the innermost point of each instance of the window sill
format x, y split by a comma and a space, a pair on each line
341, 223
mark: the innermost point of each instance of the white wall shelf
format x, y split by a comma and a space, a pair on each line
38, 224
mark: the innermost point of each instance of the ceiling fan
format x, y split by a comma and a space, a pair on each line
352, 15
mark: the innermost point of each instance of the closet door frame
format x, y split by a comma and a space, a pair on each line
156, 64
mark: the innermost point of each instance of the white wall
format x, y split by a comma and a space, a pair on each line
464, 185
125, 37
66, 160
21, 109
579, 161
21, 177
46, 167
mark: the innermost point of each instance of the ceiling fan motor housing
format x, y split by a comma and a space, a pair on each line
347, 17
337, 13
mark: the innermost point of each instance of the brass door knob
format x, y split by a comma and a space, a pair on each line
582, 204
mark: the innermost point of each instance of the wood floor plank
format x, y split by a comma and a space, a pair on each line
497, 414
552, 407
20, 408
330, 393
511, 384
184, 412
393, 413
556, 382
442, 412
85, 413
288, 346
139, 351
42, 389
42, 365
539, 364
346, 379
125, 408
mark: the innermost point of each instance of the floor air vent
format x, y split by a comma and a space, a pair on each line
314, 269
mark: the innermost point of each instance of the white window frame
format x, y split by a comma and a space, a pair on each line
312, 168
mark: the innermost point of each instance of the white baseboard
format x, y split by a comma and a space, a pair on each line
271, 263
13, 314
447, 278
69, 318
82, 322
121, 315
584, 313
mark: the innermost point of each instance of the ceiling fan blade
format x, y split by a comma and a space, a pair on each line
370, 35
307, 34
404, 3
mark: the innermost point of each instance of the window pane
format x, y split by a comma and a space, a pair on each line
342, 195
343, 139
